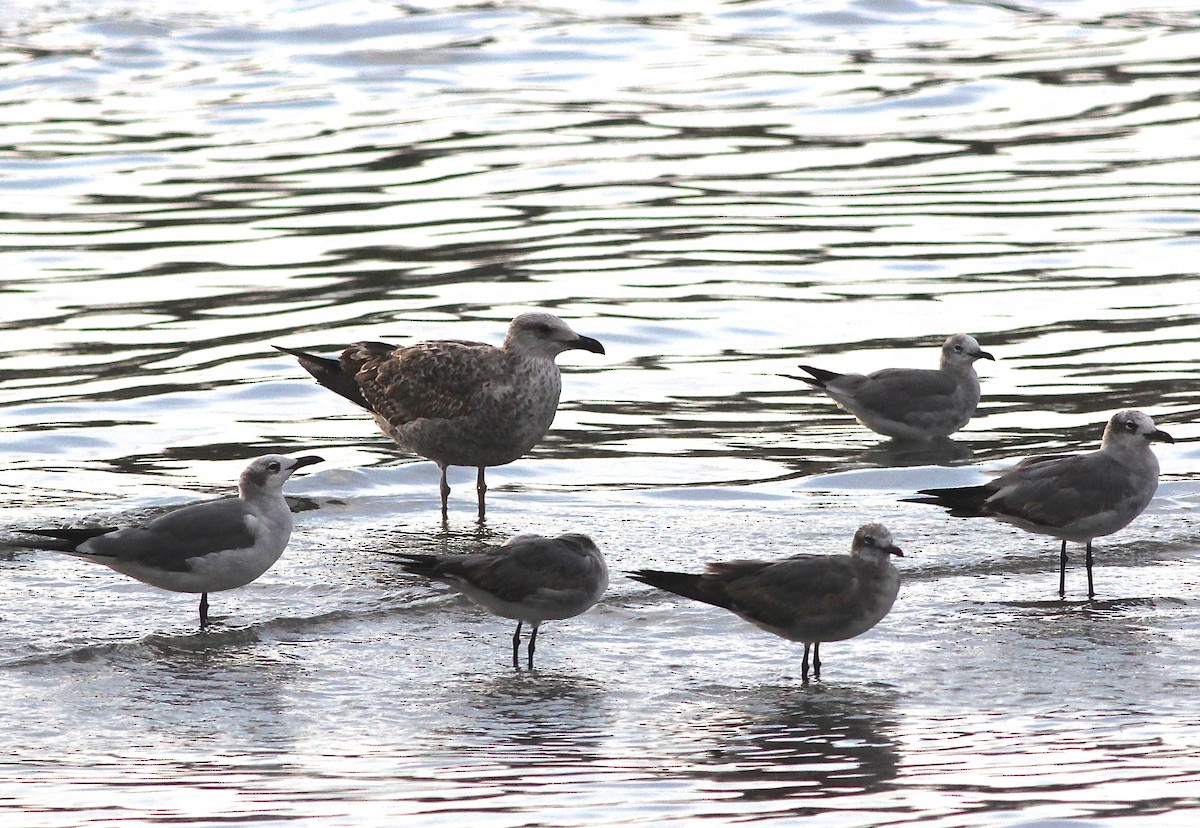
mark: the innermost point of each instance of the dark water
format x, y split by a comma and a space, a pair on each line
715, 191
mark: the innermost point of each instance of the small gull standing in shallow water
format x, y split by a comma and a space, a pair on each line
531, 578
910, 403
206, 547
458, 403
1071, 497
809, 598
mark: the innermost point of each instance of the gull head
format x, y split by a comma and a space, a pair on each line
266, 474
874, 542
1134, 429
544, 335
962, 350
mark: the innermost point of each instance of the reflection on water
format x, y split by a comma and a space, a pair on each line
795, 751
542, 718
720, 192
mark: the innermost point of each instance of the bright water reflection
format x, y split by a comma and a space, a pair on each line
717, 191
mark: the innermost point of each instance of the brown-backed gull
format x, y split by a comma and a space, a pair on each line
458, 403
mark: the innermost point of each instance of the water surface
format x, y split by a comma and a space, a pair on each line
717, 192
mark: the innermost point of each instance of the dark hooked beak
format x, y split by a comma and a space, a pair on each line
894, 550
1160, 435
307, 460
586, 343
984, 355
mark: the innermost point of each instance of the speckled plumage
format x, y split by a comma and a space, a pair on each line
454, 402
1071, 497
808, 598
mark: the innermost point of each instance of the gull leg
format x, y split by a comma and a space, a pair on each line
532, 643
203, 610
480, 491
804, 664
817, 659
516, 644
1091, 592
444, 488
1062, 570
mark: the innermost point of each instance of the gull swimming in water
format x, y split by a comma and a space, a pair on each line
458, 403
809, 598
205, 547
530, 578
910, 403
1071, 497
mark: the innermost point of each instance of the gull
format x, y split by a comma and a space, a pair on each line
910, 403
530, 578
1071, 497
206, 547
809, 598
458, 403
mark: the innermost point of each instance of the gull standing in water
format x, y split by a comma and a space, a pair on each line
1071, 497
809, 598
531, 578
910, 403
458, 403
206, 547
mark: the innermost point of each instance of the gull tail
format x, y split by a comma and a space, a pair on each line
820, 377
329, 373
962, 501
435, 567
683, 583
426, 565
59, 540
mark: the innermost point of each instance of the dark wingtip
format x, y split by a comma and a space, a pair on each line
820, 375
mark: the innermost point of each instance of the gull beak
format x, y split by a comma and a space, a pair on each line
586, 343
894, 550
1160, 435
984, 355
307, 460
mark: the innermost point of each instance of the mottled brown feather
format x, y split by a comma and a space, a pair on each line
442, 380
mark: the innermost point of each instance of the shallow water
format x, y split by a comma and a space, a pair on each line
717, 193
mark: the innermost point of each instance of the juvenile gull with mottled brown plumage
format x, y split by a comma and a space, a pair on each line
531, 579
458, 403
808, 598
1071, 497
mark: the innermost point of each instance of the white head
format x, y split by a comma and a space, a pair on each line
545, 335
266, 474
1132, 430
962, 350
873, 542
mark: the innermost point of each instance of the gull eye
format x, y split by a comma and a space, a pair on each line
273, 467
868, 540
1130, 425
